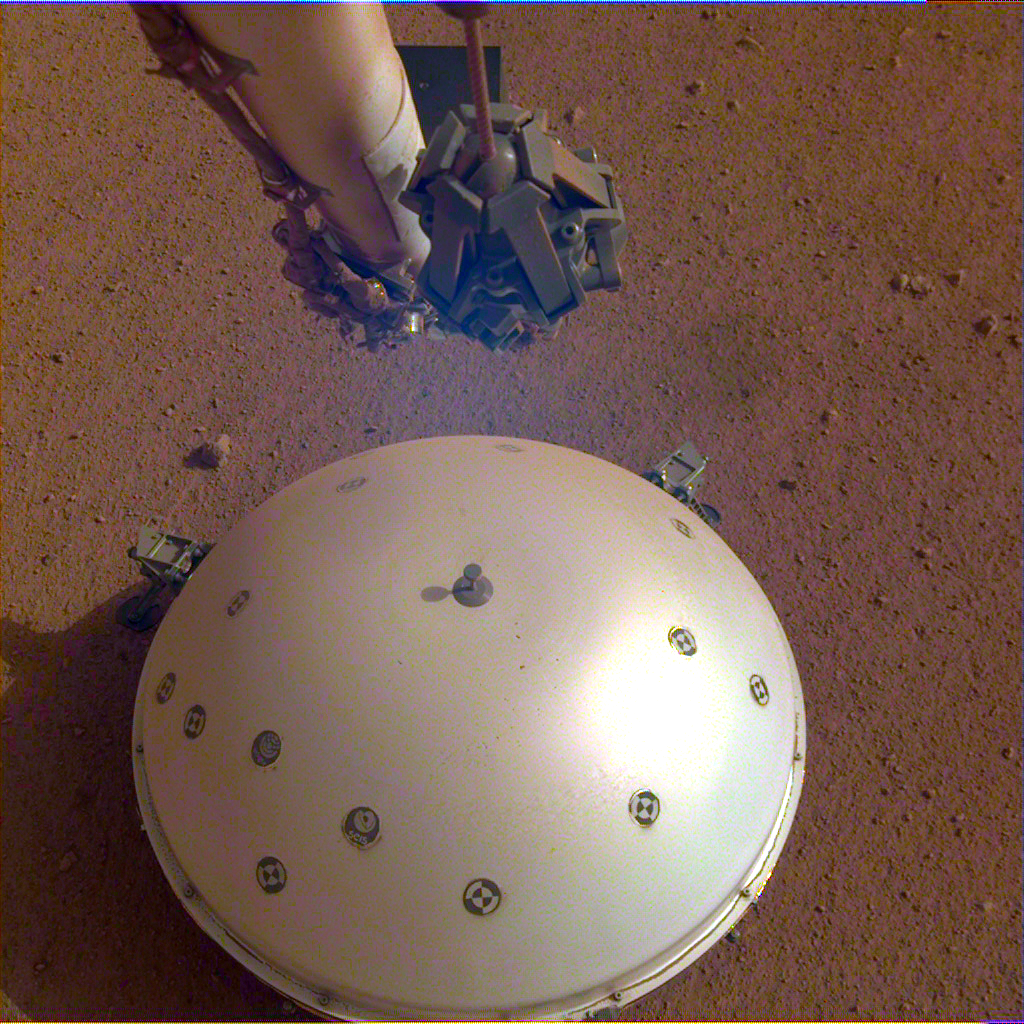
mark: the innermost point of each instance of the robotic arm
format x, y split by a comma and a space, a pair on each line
494, 229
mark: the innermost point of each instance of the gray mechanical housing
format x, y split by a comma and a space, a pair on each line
518, 240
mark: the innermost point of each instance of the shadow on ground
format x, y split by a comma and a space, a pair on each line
86, 911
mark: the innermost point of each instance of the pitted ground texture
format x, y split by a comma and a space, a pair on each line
779, 168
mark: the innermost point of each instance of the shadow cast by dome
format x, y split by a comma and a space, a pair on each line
91, 929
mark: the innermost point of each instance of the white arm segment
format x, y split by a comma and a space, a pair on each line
331, 95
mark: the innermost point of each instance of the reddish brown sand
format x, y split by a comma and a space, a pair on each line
143, 311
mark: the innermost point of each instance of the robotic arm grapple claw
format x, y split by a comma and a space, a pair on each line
518, 239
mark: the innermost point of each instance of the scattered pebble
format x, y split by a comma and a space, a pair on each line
369, 430
75, 435
48, 497
732, 935
47, 559
927, 793
1001, 177
749, 43
696, 87
100, 519
169, 411
943, 34
575, 115
986, 325
798, 558
956, 278
215, 453
987, 905
68, 861
920, 285
40, 966
830, 416
924, 552
734, 105
788, 485
215, 403
900, 282
58, 357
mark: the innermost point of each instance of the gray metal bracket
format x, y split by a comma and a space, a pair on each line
680, 474
167, 561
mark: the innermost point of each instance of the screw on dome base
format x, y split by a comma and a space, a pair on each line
472, 589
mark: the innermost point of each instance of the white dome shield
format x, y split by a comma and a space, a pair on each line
469, 727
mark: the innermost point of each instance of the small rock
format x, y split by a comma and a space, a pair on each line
732, 936
900, 282
75, 435
956, 278
987, 906
788, 485
696, 87
1007, 753
575, 115
215, 453
734, 105
68, 861
215, 403
48, 497
943, 34
709, 15
986, 325
920, 285
39, 966
58, 357
169, 411
100, 519
749, 43
1001, 177
924, 552
798, 558
369, 430
830, 416
78, 731
47, 559
927, 793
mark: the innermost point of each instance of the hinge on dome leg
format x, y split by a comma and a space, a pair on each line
679, 474
167, 561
